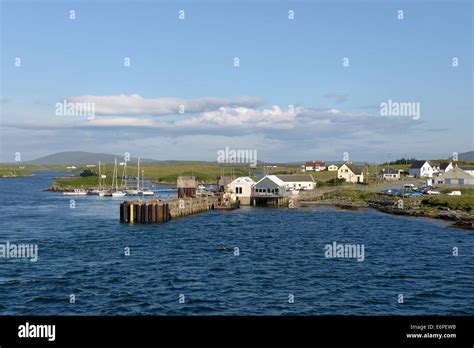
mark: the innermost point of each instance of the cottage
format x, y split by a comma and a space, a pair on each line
298, 182
390, 174
468, 169
420, 169
270, 186
243, 189
455, 176
333, 168
351, 173
313, 166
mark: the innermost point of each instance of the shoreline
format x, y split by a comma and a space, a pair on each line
460, 220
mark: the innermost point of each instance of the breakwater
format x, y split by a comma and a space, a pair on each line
156, 211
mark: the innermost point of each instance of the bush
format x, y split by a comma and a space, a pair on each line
87, 172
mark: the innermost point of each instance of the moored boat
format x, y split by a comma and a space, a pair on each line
76, 192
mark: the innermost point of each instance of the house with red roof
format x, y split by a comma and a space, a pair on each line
313, 166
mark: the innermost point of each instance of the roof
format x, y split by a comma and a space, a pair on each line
273, 178
443, 166
245, 179
389, 171
317, 164
466, 167
297, 178
355, 169
456, 173
418, 164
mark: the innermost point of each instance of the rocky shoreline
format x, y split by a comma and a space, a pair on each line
461, 219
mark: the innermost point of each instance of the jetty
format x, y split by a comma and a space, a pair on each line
157, 211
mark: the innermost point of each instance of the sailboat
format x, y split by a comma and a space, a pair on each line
144, 191
102, 191
116, 193
134, 192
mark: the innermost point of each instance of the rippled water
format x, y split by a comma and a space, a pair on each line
81, 252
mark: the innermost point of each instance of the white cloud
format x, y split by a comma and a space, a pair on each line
136, 105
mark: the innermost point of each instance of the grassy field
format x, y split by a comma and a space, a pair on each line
12, 171
168, 173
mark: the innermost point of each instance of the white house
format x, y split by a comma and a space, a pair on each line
270, 186
351, 173
420, 169
243, 188
298, 182
332, 168
390, 174
313, 166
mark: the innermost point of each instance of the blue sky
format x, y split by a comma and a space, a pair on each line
282, 62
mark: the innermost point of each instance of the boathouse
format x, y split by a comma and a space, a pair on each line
242, 187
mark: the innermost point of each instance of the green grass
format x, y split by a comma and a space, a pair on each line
464, 203
169, 172
352, 195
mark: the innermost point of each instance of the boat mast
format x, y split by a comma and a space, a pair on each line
113, 175
123, 175
100, 179
138, 178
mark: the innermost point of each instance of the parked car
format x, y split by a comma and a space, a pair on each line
415, 194
454, 193
432, 193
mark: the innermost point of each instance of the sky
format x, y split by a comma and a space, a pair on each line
307, 88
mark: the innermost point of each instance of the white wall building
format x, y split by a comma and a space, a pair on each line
351, 173
420, 169
298, 182
243, 188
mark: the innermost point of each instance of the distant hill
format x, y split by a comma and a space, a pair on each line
80, 157
466, 156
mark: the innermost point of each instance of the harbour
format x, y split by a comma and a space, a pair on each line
81, 251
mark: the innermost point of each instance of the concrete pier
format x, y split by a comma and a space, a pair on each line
158, 211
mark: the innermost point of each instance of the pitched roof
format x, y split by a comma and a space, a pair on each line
456, 173
273, 178
354, 169
418, 164
389, 170
293, 178
443, 166
313, 164
466, 167
245, 179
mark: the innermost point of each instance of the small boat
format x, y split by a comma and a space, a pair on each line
146, 193
132, 192
76, 192
230, 206
228, 202
116, 192
104, 193
93, 192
